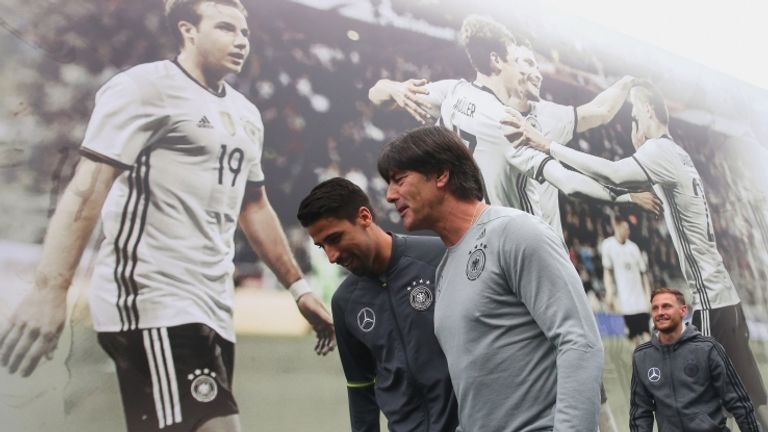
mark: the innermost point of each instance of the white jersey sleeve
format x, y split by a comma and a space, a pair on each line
528, 161
557, 122
438, 92
661, 165
125, 118
255, 130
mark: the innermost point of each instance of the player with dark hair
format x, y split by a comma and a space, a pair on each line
383, 313
625, 275
172, 163
507, 77
662, 163
521, 342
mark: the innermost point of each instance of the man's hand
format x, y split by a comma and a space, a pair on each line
318, 317
648, 201
33, 330
520, 132
406, 96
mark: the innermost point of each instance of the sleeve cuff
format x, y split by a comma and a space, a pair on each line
98, 157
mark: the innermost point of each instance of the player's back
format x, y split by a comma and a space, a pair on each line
686, 212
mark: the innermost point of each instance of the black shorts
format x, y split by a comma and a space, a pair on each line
729, 327
172, 378
637, 324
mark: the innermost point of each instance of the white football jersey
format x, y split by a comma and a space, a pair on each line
474, 113
557, 123
675, 180
169, 220
627, 264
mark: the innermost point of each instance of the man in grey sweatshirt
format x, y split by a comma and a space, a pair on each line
686, 378
523, 349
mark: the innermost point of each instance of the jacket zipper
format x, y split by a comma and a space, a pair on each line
667, 361
385, 284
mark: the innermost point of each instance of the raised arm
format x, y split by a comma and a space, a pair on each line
34, 328
604, 106
262, 228
405, 95
577, 185
623, 173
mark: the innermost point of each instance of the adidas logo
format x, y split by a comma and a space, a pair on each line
204, 123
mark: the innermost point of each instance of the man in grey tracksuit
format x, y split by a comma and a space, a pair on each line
523, 349
685, 377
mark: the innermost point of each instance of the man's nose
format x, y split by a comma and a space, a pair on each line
392, 194
332, 254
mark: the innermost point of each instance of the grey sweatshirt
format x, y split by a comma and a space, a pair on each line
522, 345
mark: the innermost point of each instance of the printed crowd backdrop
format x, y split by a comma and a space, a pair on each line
309, 71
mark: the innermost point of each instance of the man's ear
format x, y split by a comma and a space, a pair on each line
495, 62
441, 180
188, 32
364, 217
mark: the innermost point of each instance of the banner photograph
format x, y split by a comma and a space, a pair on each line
327, 215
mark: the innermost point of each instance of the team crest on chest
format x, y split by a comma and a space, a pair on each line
476, 261
253, 132
420, 295
227, 121
533, 121
203, 387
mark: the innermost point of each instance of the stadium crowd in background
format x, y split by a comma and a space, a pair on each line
303, 78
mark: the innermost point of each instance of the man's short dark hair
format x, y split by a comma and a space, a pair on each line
655, 99
336, 198
678, 295
482, 36
431, 151
187, 10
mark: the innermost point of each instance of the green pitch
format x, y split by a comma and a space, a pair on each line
280, 384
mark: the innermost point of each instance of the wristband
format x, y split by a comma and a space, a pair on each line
299, 288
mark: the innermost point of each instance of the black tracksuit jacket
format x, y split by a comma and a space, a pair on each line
387, 344
687, 384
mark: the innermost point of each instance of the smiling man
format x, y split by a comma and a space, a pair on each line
685, 378
383, 313
171, 164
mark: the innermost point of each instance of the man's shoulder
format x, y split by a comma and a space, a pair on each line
152, 71
546, 107
514, 220
348, 287
423, 248
644, 347
143, 79
241, 100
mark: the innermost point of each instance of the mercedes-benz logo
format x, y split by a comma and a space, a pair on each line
654, 374
366, 319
